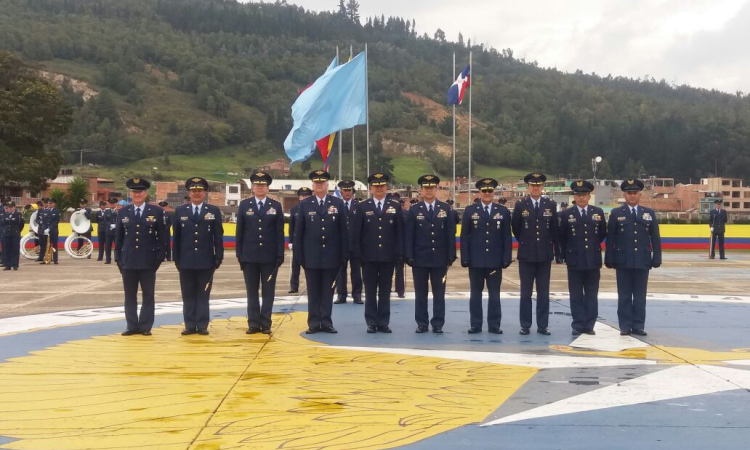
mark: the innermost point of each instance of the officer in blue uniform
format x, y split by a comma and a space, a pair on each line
168, 228
456, 217
322, 240
534, 225
346, 187
260, 251
302, 193
378, 241
633, 248
51, 228
486, 249
101, 228
41, 223
12, 224
430, 250
140, 242
110, 218
198, 253
581, 233
717, 220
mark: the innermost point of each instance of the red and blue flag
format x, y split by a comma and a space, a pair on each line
456, 92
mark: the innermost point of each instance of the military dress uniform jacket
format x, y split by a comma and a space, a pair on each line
197, 245
580, 240
110, 218
52, 221
430, 242
349, 218
11, 224
321, 235
41, 220
378, 237
260, 234
140, 243
717, 219
486, 241
633, 245
536, 233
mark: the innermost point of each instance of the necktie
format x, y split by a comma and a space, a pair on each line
536, 208
380, 209
634, 214
260, 206
138, 213
487, 209
346, 207
196, 214
583, 213
430, 211
321, 203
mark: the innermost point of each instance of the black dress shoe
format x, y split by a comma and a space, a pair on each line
265, 330
437, 330
640, 333
15, 268
371, 328
252, 330
359, 301
98, 259
421, 329
401, 295
474, 330
311, 330
723, 258
576, 333
711, 257
6, 268
146, 333
590, 332
292, 291
329, 330
130, 332
385, 329
187, 332
339, 301
625, 333
543, 331
496, 330
524, 331
108, 262
203, 332
55, 263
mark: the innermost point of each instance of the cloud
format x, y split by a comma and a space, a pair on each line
696, 42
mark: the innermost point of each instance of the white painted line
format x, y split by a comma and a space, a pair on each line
514, 359
672, 383
607, 339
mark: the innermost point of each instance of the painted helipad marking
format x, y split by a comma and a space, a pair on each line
607, 339
672, 383
233, 391
515, 359
38, 322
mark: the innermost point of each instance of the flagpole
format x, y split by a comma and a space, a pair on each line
471, 83
354, 166
454, 136
341, 152
367, 94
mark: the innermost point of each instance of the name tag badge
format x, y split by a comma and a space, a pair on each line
498, 216
525, 213
622, 219
312, 213
126, 220
250, 213
271, 211
390, 210
475, 216
442, 214
420, 216
183, 218
209, 216
647, 217
596, 217
370, 213
547, 213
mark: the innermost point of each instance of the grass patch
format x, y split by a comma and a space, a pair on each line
499, 173
406, 169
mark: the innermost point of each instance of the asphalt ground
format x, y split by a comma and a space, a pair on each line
82, 284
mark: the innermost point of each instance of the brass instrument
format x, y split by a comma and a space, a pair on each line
49, 251
79, 225
31, 238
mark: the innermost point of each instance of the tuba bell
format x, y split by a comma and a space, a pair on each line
30, 242
80, 225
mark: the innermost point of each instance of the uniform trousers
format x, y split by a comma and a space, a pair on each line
477, 279
196, 290
320, 297
356, 278
583, 286
632, 285
539, 272
259, 277
377, 279
11, 251
436, 277
131, 279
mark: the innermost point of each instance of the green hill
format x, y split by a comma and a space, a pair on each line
205, 87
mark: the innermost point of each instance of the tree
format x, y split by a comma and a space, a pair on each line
33, 116
440, 35
352, 11
342, 9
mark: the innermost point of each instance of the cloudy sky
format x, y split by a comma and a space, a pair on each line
697, 42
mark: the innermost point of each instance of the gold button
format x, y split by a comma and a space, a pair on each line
196, 225
137, 232
380, 218
433, 249
635, 232
486, 249
323, 228
487, 241
379, 245
136, 239
380, 237
261, 244
537, 239
586, 239
636, 240
136, 246
636, 249
137, 226
196, 241
260, 228
324, 246
587, 246
196, 233
380, 228
260, 236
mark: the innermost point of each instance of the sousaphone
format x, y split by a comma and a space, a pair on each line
80, 225
30, 244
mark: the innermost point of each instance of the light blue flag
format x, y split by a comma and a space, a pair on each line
336, 101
